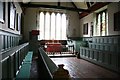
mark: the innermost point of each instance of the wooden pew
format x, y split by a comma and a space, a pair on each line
46, 66
11, 60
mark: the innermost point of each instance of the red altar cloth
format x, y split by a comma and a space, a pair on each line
53, 47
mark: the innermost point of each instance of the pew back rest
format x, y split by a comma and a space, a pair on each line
49, 64
12, 59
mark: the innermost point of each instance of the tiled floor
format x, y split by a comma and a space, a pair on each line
79, 68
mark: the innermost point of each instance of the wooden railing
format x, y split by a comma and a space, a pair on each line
56, 46
12, 60
64, 50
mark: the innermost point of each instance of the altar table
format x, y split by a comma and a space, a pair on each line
53, 47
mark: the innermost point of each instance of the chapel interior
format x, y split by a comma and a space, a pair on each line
59, 40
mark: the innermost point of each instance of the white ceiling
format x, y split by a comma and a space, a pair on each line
79, 3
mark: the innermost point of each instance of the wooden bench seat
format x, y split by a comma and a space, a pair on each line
28, 57
24, 71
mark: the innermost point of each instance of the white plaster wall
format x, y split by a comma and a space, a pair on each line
87, 19
112, 8
73, 24
31, 23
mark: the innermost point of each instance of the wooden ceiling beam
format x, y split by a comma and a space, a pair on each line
58, 2
93, 8
88, 5
75, 6
53, 6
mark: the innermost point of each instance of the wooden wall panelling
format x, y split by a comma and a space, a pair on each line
1, 42
118, 63
12, 66
4, 41
114, 60
19, 59
13, 41
21, 56
100, 57
107, 59
90, 54
106, 48
115, 40
8, 41
112, 48
103, 57
103, 51
95, 55
105, 40
118, 49
119, 40
5, 66
16, 61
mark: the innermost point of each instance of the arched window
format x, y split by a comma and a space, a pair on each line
41, 23
101, 29
58, 26
52, 26
64, 26
47, 26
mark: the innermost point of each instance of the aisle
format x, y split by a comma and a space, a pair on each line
79, 68
34, 69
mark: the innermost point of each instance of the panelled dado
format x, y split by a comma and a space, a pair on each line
8, 40
104, 58
106, 43
105, 47
106, 39
104, 51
